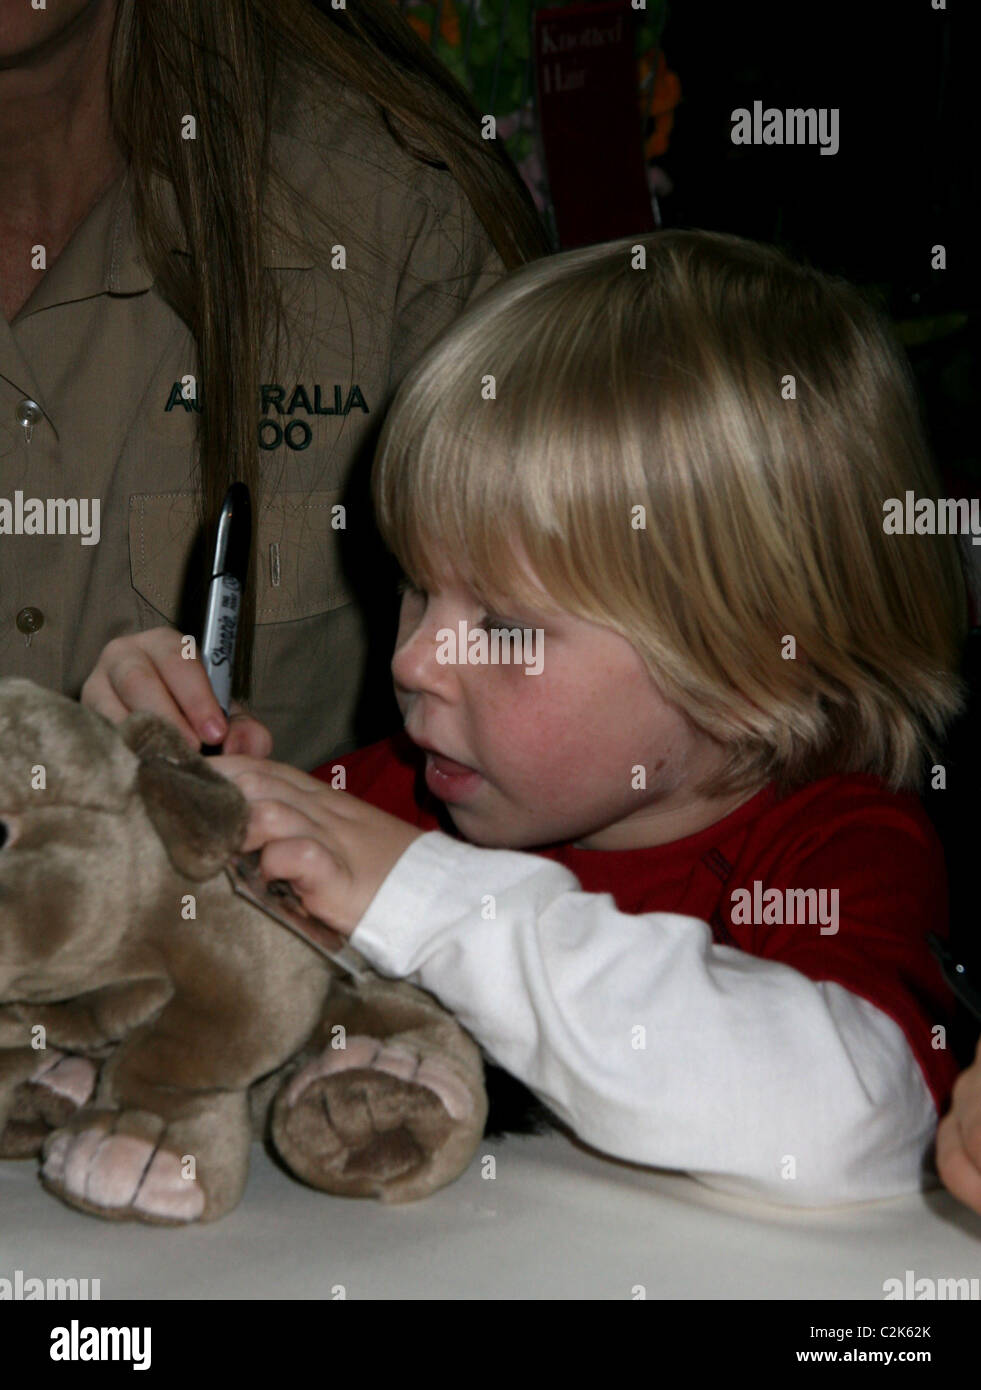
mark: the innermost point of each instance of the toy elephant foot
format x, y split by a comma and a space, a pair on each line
394, 1116
49, 1097
136, 1165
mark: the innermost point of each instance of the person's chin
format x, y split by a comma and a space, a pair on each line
486, 833
479, 830
468, 826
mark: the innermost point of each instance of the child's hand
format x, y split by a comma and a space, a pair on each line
147, 671
959, 1138
334, 849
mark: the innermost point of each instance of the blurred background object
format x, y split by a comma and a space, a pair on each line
500, 50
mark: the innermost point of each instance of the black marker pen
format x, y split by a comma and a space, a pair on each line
228, 572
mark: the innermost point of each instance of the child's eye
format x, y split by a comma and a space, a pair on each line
492, 620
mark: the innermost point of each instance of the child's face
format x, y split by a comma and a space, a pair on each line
554, 755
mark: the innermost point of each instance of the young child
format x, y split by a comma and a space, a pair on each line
667, 864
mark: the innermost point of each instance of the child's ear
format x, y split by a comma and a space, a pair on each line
199, 815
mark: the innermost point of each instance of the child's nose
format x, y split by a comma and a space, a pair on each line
414, 663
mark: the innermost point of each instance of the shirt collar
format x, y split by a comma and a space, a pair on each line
104, 253
124, 270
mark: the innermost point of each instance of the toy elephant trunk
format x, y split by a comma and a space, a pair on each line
152, 1019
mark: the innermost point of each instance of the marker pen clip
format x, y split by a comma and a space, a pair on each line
227, 585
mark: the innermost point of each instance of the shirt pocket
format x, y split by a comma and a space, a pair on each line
297, 556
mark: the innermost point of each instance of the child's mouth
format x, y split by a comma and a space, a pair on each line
449, 780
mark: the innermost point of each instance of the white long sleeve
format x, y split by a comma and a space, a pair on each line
650, 1041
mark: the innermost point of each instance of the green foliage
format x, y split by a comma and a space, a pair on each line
913, 332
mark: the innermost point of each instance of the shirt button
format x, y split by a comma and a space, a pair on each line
30, 620
28, 414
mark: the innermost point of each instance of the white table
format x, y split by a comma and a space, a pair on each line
557, 1222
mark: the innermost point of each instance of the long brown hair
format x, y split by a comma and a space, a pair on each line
225, 61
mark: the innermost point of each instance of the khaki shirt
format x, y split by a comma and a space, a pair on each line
95, 354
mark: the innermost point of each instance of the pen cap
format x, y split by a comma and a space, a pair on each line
234, 534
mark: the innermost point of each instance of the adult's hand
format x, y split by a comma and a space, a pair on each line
958, 1155
147, 671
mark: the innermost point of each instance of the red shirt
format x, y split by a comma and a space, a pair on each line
849, 833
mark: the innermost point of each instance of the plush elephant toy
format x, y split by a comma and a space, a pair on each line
153, 1021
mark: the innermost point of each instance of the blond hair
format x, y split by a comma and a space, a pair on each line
665, 386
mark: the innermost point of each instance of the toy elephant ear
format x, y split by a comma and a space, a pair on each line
199, 815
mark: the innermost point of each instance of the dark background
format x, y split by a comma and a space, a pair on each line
901, 76
905, 79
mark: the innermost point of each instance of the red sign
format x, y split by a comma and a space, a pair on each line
590, 122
